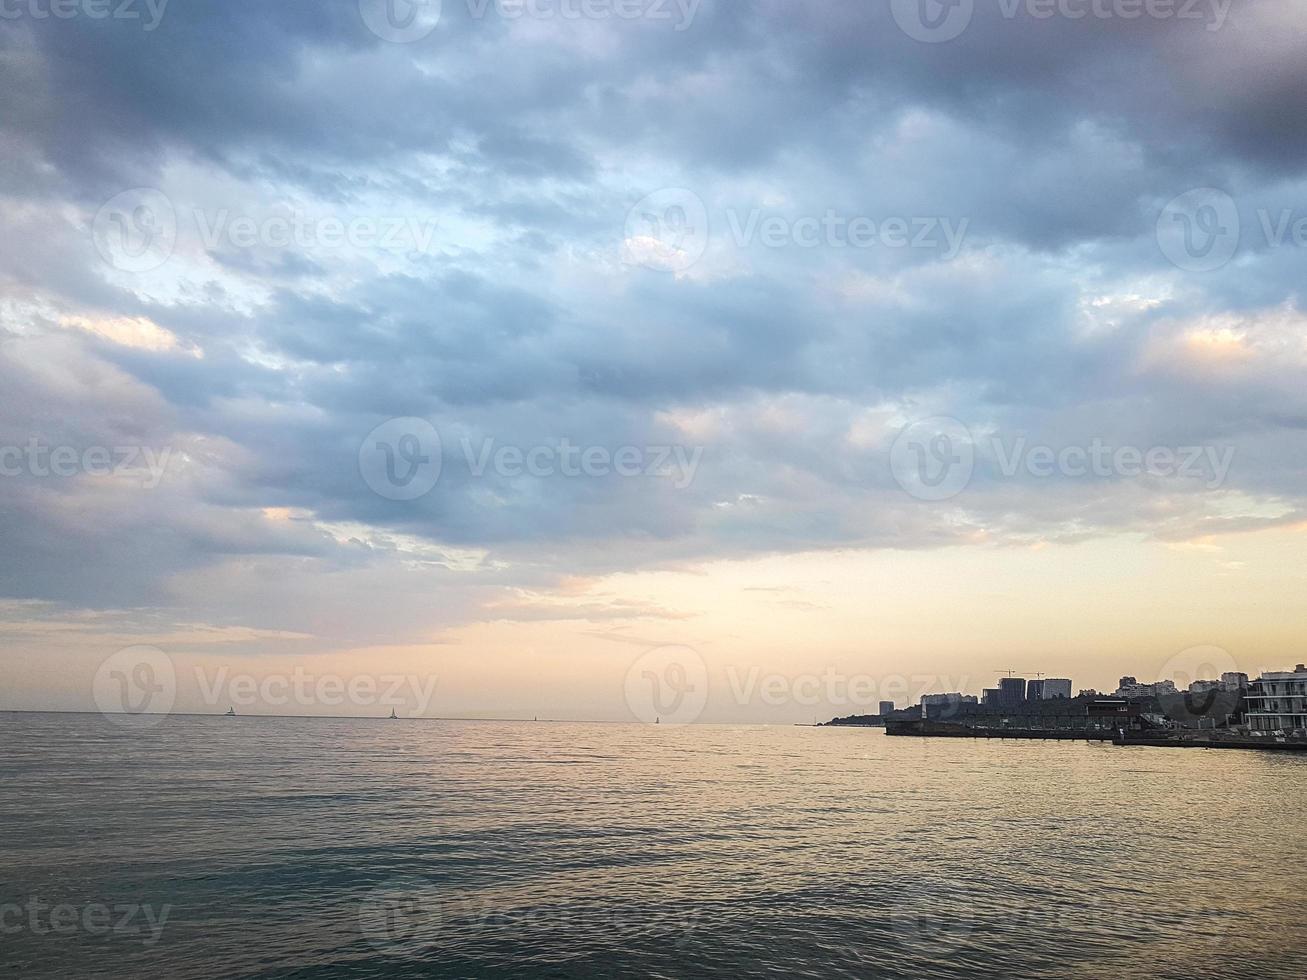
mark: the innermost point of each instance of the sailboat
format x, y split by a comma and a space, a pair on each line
231, 712
393, 716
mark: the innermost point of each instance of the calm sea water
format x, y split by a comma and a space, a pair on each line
253, 847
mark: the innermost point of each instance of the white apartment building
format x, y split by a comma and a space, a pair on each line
1277, 702
1136, 690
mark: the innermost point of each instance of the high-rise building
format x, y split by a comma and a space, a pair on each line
1057, 687
886, 707
990, 697
1011, 691
1035, 690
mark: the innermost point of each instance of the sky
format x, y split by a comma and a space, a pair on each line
639, 360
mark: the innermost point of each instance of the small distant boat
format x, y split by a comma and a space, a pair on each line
393, 716
231, 713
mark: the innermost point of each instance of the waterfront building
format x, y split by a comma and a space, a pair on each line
945, 705
1057, 687
886, 708
1277, 702
1094, 718
1035, 690
990, 697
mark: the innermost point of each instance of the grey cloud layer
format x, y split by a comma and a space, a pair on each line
525, 144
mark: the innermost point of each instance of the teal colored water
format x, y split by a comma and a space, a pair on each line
252, 847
